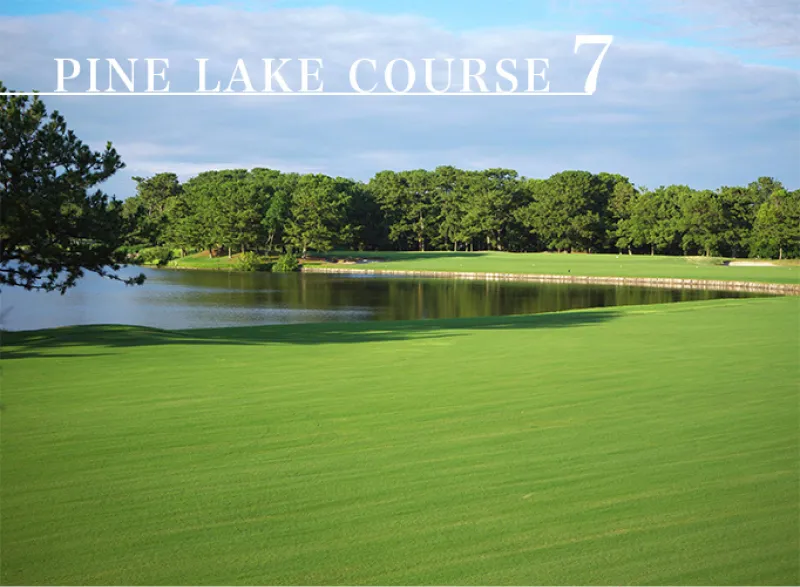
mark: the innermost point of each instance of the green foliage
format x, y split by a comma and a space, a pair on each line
410, 205
55, 224
149, 210
274, 190
651, 220
155, 255
318, 214
486, 214
130, 251
776, 232
566, 212
53, 228
451, 209
286, 263
252, 261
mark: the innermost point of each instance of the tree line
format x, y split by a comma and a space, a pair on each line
231, 211
56, 224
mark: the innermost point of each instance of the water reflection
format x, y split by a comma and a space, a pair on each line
203, 299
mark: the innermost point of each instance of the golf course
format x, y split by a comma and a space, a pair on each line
622, 445
279, 305
636, 266
627, 266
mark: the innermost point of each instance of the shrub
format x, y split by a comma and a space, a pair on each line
131, 251
251, 261
155, 255
287, 262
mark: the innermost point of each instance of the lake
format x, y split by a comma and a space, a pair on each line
175, 299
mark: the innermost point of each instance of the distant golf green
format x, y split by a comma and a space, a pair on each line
584, 265
203, 261
636, 445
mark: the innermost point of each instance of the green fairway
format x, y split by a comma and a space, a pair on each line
636, 445
583, 265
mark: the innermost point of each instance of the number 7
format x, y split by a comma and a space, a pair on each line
591, 81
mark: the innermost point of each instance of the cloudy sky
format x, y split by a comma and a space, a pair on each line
701, 92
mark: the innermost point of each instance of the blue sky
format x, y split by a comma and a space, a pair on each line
635, 19
703, 93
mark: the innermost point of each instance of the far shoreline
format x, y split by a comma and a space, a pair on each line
747, 275
659, 282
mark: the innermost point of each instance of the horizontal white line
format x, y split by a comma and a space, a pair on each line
294, 94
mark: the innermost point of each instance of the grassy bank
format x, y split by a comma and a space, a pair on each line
203, 260
577, 264
625, 445
538, 263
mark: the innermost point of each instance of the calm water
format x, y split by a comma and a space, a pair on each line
201, 299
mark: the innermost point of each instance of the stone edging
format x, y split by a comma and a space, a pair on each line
662, 282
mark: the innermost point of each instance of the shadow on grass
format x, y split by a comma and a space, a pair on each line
84, 341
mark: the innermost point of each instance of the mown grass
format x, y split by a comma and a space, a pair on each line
202, 260
578, 264
603, 265
638, 445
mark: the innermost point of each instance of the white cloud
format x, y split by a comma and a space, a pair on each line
760, 23
661, 113
753, 24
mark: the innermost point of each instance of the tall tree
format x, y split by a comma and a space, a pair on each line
449, 185
566, 213
239, 210
636, 221
776, 232
491, 197
408, 199
653, 220
702, 222
54, 224
368, 224
273, 200
622, 195
452, 209
319, 213
763, 188
148, 210
195, 221
739, 208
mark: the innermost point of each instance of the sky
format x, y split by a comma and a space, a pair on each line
699, 93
